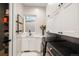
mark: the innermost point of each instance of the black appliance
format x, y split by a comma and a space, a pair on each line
58, 45
45, 40
44, 44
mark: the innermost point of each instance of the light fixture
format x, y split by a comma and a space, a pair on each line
36, 9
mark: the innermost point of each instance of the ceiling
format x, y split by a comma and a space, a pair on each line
35, 4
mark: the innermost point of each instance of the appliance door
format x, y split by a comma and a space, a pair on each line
51, 51
44, 44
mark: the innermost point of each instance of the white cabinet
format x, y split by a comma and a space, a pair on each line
31, 43
53, 21
18, 43
51, 10
70, 20
66, 20
35, 44
53, 25
25, 44
60, 17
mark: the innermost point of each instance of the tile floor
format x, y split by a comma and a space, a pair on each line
30, 54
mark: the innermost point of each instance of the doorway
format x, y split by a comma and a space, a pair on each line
4, 29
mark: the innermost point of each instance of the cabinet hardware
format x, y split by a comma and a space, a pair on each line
61, 3
60, 32
48, 15
50, 49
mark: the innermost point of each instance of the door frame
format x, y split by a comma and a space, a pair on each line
11, 29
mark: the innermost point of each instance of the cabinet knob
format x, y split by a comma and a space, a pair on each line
61, 3
60, 32
48, 15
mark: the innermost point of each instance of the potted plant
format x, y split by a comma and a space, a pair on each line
43, 28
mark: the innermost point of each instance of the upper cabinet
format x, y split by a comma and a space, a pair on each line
54, 9
52, 13
63, 17
51, 10
70, 19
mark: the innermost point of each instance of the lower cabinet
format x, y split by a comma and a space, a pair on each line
31, 44
35, 44
25, 42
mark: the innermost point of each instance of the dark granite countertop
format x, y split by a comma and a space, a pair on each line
65, 48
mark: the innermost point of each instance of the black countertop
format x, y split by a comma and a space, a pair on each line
65, 48
65, 45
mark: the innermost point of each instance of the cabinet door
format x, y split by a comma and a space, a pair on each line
51, 10
53, 21
54, 25
35, 44
70, 20
61, 19
58, 23
25, 44
51, 25
18, 43
32, 44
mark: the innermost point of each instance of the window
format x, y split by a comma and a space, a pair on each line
30, 23
30, 18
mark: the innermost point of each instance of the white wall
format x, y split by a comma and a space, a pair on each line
40, 13
17, 9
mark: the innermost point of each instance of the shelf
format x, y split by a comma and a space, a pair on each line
6, 30
19, 22
19, 31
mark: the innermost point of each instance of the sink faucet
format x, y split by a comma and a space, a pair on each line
30, 33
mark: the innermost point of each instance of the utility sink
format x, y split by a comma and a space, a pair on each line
33, 35
32, 43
